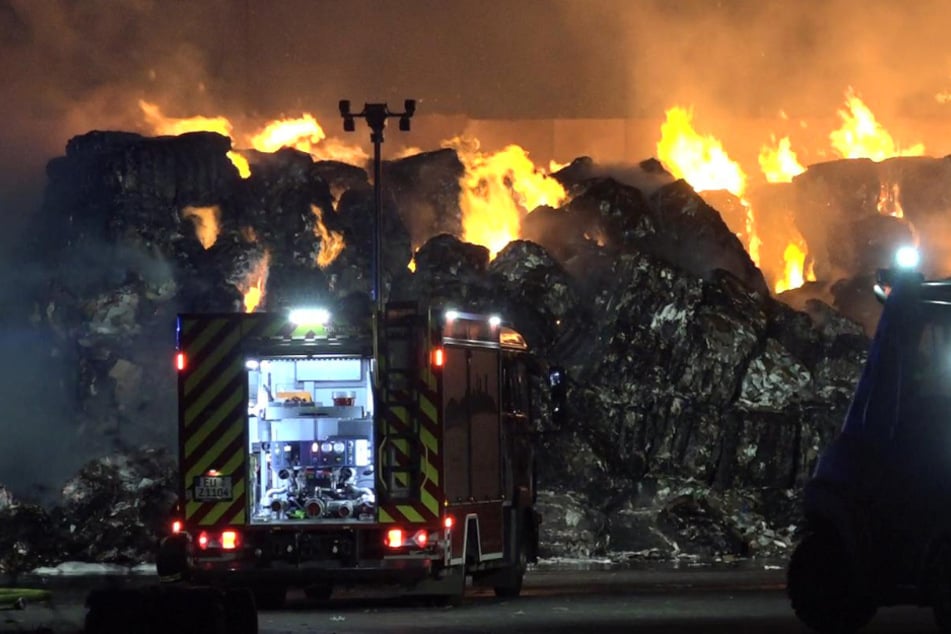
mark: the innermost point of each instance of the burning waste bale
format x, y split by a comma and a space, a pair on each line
684, 371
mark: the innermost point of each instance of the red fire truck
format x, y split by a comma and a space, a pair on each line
319, 449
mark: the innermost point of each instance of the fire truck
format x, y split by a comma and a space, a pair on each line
326, 447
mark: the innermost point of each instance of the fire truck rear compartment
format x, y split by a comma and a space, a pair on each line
310, 440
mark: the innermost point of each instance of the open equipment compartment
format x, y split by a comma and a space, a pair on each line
310, 440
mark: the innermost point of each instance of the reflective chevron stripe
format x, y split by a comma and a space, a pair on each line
213, 397
423, 505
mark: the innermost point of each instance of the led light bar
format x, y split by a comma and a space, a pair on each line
310, 316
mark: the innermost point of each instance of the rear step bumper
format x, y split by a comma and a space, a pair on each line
387, 571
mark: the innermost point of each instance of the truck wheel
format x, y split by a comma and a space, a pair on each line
821, 584
511, 587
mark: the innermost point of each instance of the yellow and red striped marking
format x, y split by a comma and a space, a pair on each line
213, 407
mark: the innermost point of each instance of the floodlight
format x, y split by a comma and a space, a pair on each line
907, 258
310, 316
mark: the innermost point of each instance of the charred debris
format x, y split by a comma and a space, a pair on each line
698, 401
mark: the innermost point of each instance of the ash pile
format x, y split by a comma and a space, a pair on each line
698, 402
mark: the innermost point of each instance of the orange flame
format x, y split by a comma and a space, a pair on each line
253, 288
331, 242
306, 135
862, 136
497, 190
889, 201
702, 162
163, 125
205, 220
302, 133
794, 275
779, 163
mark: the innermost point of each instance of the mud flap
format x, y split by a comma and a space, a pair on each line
171, 562
448, 588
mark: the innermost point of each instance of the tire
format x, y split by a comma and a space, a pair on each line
822, 584
511, 587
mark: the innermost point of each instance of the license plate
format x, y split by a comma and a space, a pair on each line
212, 488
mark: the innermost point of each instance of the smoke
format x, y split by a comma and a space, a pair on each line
748, 59
71, 67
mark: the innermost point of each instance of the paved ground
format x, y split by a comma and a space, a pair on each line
747, 598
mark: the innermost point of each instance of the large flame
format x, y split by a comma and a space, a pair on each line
331, 242
778, 161
497, 190
305, 134
254, 286
862, 136
302, 133
701, 161
794, 274
172, 126
205, 220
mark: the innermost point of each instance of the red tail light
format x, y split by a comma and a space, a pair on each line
229, 540
394, 538
439, 357
421, 538
203, 540
176, 527
180, 361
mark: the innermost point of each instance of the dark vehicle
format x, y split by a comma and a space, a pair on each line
878, 507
